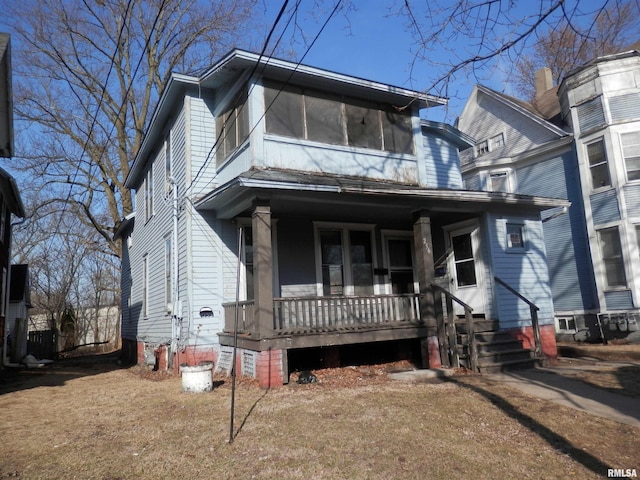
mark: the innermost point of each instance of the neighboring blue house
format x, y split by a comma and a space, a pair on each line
324, 216
579, 141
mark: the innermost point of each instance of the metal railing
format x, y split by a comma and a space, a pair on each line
533, 309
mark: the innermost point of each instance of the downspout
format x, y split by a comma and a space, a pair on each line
176, 310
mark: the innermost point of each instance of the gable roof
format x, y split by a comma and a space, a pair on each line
524, 108
237, 63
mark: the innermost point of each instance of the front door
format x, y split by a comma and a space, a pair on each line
464, 272
400, 261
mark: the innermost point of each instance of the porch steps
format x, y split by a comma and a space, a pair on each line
497, 351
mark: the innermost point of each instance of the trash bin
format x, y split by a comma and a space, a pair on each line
197, 378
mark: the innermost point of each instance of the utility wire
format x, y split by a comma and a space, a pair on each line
284, 85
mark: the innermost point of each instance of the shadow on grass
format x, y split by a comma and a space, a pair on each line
247, 415
555, 440
56, 374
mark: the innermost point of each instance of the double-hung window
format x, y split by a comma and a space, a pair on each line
499, 181
148, 194
613, 262
631, 153
598, 165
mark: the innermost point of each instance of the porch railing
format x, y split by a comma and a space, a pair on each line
450, 331
301, 314
533, 309
304, 313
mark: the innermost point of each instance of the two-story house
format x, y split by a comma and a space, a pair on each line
579, 141
10, 201
293, 212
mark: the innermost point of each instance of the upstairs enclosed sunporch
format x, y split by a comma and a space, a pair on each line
332, 260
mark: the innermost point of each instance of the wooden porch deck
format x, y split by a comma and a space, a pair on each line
331, 316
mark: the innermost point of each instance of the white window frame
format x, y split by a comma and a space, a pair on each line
603, 269
168, 159
504, 172
563, 324
606, 162
148, 194
624, 154
523, 236
345, 228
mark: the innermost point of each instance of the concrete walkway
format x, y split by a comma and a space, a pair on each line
557, 385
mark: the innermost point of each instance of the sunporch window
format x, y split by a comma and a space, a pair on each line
346, 261
232, 127
322, 117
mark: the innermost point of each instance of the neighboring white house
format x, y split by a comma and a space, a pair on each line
579, 141
319, 212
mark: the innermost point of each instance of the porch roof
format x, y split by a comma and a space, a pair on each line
289, 189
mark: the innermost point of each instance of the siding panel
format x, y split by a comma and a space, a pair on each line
604, 207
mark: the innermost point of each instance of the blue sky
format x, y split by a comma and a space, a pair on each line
373, 42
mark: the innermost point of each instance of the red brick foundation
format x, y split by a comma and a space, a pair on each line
547, 338
430, 350
269, 371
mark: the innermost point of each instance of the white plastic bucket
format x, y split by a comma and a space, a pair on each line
197, 378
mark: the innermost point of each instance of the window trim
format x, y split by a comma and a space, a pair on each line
168, 159
606, 162
523, 236
603, 264
378, 110
507, 172
624, 157
148, 194
345, 229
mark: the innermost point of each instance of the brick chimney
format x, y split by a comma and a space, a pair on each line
544, 81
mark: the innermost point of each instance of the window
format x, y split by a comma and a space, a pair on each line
346, 261
321, 117
167, 165
232, 127
515, 236
598, 165
631, 153
247, 262
145, 286
482, 148
638, 238
497, 141
499, 182
612, 260
567, 324
148, 194
168, 270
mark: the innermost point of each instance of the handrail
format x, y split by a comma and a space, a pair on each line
516, 293
451, 329
533, 309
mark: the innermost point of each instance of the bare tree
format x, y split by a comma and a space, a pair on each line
87, 75
567, 46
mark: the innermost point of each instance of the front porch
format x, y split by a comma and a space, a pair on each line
326, 321
353, 264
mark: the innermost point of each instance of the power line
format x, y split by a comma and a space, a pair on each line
284, 85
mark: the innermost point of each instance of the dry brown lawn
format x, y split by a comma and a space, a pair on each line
98, 421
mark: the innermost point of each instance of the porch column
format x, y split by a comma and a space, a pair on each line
262, 267
423, 245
